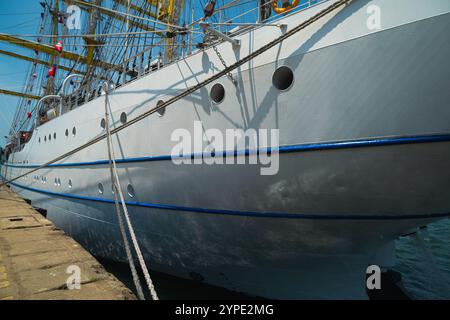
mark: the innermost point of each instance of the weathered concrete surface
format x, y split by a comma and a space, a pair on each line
35, 255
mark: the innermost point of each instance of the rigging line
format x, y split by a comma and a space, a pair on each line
238, 3
100, 44
116, 54
134, 50
88, 35
18, 13
22, 105
71, 70
4, 118
148, 7
23, 86
121, 45
108, 27
214, 13
21, 24
140, 38
233, 4
12, 73
34, 108
120, 54
254, 9
152, 37
244, 24
129, 45
127, 52
149, 47
196, 87
130, 15
137, 38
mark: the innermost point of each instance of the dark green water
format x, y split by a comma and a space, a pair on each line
424, 265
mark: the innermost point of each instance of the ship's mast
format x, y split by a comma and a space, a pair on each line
103, 57
51, 80
125, 64
174, 13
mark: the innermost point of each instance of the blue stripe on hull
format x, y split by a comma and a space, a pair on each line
282, 149
243, 213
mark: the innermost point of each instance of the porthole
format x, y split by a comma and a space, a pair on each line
217, 93
70, 184
283, 78
49, 136
130, 190
100, 188
54, 135
160, 112
67, 132
39, 139
123, 117
74, 131
45, 139
103, 123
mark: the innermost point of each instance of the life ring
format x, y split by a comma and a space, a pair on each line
278, 9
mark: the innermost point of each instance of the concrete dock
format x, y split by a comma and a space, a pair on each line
39, 261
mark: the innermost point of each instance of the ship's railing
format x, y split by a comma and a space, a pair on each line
43, 110
228, 25
143, 64
225, 25
234, 25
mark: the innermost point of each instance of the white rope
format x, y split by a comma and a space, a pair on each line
136, 281
118, 190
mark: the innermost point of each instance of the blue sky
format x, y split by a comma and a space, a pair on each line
15, 17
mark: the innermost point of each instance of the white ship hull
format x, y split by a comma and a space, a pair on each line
365, 147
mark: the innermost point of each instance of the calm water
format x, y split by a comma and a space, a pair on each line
423, 262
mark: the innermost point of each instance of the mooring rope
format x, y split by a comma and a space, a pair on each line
118, 191
196, 87
135, 276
